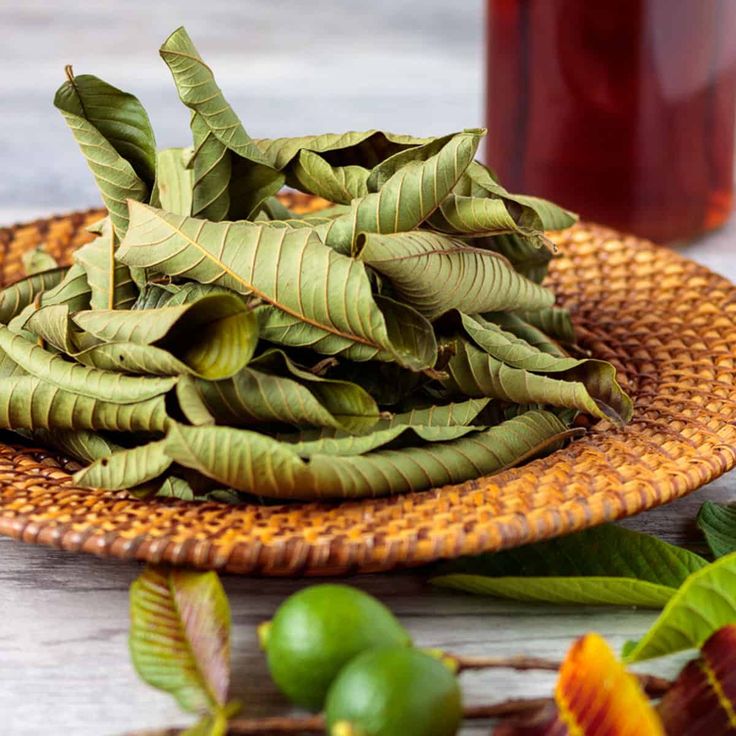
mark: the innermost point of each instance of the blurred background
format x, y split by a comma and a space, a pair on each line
288, 67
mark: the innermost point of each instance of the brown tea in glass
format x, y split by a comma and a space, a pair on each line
622, 110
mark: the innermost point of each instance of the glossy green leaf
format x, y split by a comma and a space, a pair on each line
54, 370
274, 389
607, 551
717, 521
180, 636
114, 133
434, 274
126, 468
473, 372
38, 260
175, 180
15, 298
232, 176
705, 602
596, 591
214, 337
407, 198
259, 259
252, 462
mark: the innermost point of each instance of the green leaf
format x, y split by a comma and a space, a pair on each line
53, 326
594, 390
73, 291
431, 424
252, 462
191, 403
115, 136
596, 591
214, 337
598, 376
15, 298
407, 198
607, 551
225, 157
435, 274
552, 321
339, 184
705, 602
337, 443
529, 212
272, 209
111, 284
477, 216
37, 261
27, 402
126, 468
52, 369
527, 257
274, 389
456, 414
175, 180
718, 523
532, 335
514, 351
180, 636
259, 259
354, 148
81, 444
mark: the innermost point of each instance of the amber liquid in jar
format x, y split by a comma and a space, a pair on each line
622, 110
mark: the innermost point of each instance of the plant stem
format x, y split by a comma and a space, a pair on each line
316, 724
654, 686
513, 663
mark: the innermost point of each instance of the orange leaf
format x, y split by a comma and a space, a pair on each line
596, 696
702, 702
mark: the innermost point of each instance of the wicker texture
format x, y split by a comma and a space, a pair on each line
667, 324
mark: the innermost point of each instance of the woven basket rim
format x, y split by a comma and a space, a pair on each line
668, 323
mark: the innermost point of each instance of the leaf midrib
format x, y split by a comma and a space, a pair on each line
213, 700
262, 295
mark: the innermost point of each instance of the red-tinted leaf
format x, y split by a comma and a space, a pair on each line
595, 696
180, 636
702, 702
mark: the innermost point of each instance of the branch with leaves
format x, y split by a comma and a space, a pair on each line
180, 643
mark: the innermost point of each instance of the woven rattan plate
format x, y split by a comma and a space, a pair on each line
667, 324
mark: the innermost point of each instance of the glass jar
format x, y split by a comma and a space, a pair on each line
622, 110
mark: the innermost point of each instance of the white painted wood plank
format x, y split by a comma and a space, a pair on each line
415, 66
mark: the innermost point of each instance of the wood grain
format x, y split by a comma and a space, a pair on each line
64, 625
63, 619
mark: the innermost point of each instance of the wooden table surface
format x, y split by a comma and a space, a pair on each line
411, 66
